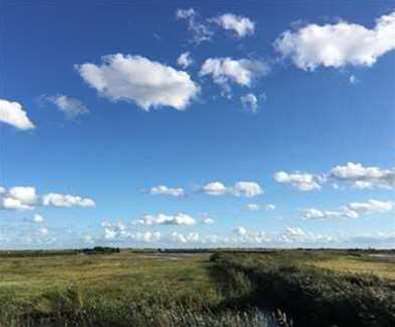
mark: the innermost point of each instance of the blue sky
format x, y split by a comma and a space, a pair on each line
197, 124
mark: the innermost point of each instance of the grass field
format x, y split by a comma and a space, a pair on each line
169, 289
123, 274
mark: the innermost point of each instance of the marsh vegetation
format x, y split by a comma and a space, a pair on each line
280, 288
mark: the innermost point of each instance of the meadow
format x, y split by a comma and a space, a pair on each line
227, 288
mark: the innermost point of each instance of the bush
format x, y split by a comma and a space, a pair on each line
313, 297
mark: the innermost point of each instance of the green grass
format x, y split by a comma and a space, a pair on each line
120, 289
27, 280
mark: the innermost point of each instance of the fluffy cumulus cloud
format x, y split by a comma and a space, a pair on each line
200, 30
242, 235
67, 200
299, 236
27, 198
117, 232
18, 198
337, 45
239, 25
70, 106
226, 70
184, 60
301, 181
147, 83
354, 174
350, 210
164, 190
240, 189
163, 219
249, 102
12, 113
313, 213
363, 177
215, 188
114, 231
370, 207
247, 189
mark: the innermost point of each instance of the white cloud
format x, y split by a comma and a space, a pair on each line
301, 181
18, 198
226, 70
114, 231
354, 174
14, 204
120, 232
215, 188
25, 194
164, 190
352, 79
295, 232
298, 235
38, 219
109, 234
88, 239
71, 107
208, 221
350, 210
243, 235
337, 45
149, 84
162, 219
257, 207
191, 237
26, 198
253, 207
200, 31
66, 200
241, 26
270, 207
371, 207
147, 236
12, 113
185, 13
247, 189
43, 231
363, 177
249, 102
240, 189
313, 213
184, 60
240, 230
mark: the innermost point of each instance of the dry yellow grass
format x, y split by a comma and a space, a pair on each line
363, 265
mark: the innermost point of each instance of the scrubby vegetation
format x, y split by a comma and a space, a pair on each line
312, 296
153, 288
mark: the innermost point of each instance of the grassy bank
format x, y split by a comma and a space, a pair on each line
313, 296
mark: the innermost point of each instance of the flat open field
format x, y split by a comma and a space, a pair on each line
118, 288
125, 274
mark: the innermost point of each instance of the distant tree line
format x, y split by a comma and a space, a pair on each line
100, 250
